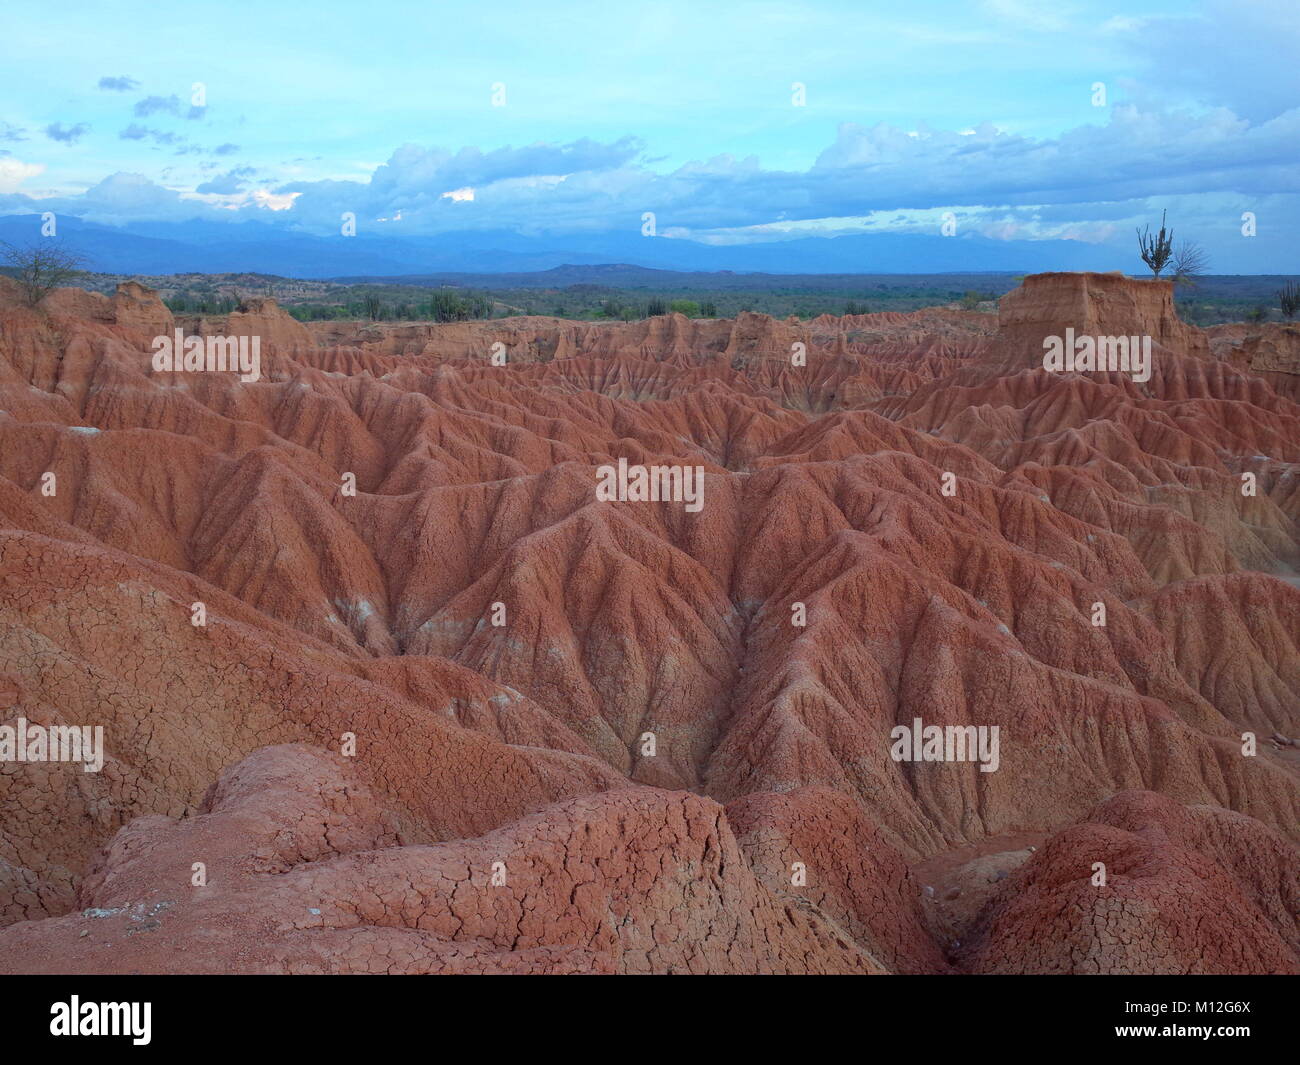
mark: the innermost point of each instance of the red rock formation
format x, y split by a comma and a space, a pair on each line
636, 882
1095, 305
1269, 350
1144, 885
397, 541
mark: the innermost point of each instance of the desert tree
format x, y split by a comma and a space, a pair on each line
1189, 264
41, 268
1288, 298
1156, 250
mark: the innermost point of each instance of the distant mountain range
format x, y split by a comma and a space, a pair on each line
210, 247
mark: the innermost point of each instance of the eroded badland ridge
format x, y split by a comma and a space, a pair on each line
393, 534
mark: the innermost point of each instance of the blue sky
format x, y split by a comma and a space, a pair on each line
985, 109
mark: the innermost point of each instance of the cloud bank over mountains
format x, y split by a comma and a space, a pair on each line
1211, 141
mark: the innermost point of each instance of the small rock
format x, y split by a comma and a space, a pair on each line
953, 893
929, 891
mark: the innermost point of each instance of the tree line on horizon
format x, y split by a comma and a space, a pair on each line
40, 268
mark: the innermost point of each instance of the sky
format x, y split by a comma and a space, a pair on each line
729, 122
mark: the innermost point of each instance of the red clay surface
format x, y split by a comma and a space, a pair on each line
499, 813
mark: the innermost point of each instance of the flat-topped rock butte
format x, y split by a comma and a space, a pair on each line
948, 513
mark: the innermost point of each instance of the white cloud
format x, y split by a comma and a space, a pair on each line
1089, 184
273, 201
13, 172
